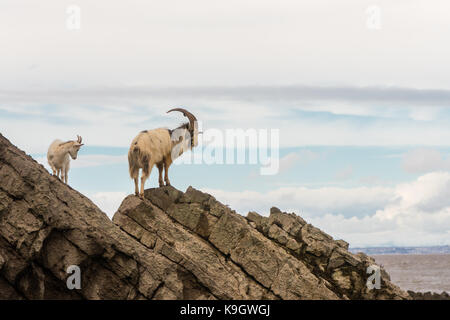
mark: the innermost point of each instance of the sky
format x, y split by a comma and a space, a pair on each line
357, 91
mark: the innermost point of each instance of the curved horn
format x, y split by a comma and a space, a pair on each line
187, 114
79, 139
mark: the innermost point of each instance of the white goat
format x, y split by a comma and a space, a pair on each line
160, 147
58, 156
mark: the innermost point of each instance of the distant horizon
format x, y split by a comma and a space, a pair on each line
436, 246
420, 250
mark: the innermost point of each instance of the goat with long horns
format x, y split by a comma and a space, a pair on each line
160, 147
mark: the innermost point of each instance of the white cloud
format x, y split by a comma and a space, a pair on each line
288, 161
410, 214
424, 113
300, 157
345, 173
320, 201
108, 202
119, 125
372, 180
423, 160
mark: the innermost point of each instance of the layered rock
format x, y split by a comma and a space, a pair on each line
275, 257
219, 247
170, 245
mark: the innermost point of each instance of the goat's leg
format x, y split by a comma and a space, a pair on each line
167, 163
146, 171
160, 169
53, 169
66, 176
58, 173
141, 194
134, 173
63, 173
136, 186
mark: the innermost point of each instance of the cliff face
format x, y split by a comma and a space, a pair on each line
171, 245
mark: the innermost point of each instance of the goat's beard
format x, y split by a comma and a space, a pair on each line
194, 138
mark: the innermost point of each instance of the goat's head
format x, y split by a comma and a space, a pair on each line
192, 126
73, 151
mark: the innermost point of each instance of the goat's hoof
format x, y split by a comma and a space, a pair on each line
168, 184
141, 195
161, 184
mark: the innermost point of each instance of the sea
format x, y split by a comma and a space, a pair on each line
417, 272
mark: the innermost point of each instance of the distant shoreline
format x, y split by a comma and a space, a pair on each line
427, 275
402, 250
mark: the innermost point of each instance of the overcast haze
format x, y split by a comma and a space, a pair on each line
210, 42
363, 113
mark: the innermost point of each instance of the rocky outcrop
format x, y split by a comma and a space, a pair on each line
275, 257
170, 245
429, 295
